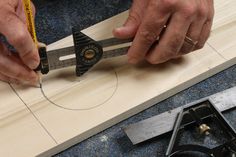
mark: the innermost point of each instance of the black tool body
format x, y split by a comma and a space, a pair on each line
87, 51
205, 125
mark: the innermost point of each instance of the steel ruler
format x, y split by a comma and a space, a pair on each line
163, 123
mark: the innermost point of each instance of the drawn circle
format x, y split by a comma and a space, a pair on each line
80, 93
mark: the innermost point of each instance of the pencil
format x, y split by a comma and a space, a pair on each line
30, 20
31, 27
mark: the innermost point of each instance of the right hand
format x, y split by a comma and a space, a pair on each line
181, 26
17, 68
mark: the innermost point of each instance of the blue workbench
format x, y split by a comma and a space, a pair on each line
54, 20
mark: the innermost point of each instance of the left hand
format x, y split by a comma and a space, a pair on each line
17, 67
188, 27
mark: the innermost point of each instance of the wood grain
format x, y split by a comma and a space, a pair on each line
108, 94
20, 133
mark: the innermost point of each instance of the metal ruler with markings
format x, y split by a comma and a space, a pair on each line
85, 53
163, 123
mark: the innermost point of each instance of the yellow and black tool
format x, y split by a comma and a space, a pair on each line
30, 20
31, 28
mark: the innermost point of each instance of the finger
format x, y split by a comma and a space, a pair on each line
206, 29
4, 49
12, 67
40, 44
154, 21
20, 38
129, 29
194, 32
4, 78
7, 79
171, 41
205, 33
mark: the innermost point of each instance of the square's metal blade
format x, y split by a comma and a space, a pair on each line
163, 123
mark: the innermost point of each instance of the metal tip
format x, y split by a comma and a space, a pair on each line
40, 80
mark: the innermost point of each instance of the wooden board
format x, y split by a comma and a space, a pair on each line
77, 108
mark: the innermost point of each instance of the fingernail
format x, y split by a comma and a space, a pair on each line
119, 29
40, 44
15, 81
29, 83
24, 82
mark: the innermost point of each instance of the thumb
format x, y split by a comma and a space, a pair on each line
130, 27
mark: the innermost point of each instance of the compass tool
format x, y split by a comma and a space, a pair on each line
85, 53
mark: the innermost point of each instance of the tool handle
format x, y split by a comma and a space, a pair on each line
43, 65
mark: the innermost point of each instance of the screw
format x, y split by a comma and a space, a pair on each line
204, 129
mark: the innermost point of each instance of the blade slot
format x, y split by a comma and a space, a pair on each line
62, 58
115, 52
113, 41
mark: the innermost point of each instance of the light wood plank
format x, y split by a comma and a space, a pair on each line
224, 13
20, 133
109, 93
223, 40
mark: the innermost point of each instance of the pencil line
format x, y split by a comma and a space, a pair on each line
81, 109
41, 124
216, 50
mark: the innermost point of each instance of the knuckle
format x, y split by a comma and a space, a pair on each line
189, 11
18, 75
169, 3
148, 36
27, 55
153, 3
203, 11
156, 23
19, 38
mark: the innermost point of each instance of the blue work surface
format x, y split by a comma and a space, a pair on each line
54, 20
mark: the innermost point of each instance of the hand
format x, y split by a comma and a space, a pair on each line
17, 68
188, 24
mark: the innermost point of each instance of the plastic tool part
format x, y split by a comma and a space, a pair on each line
87, 51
